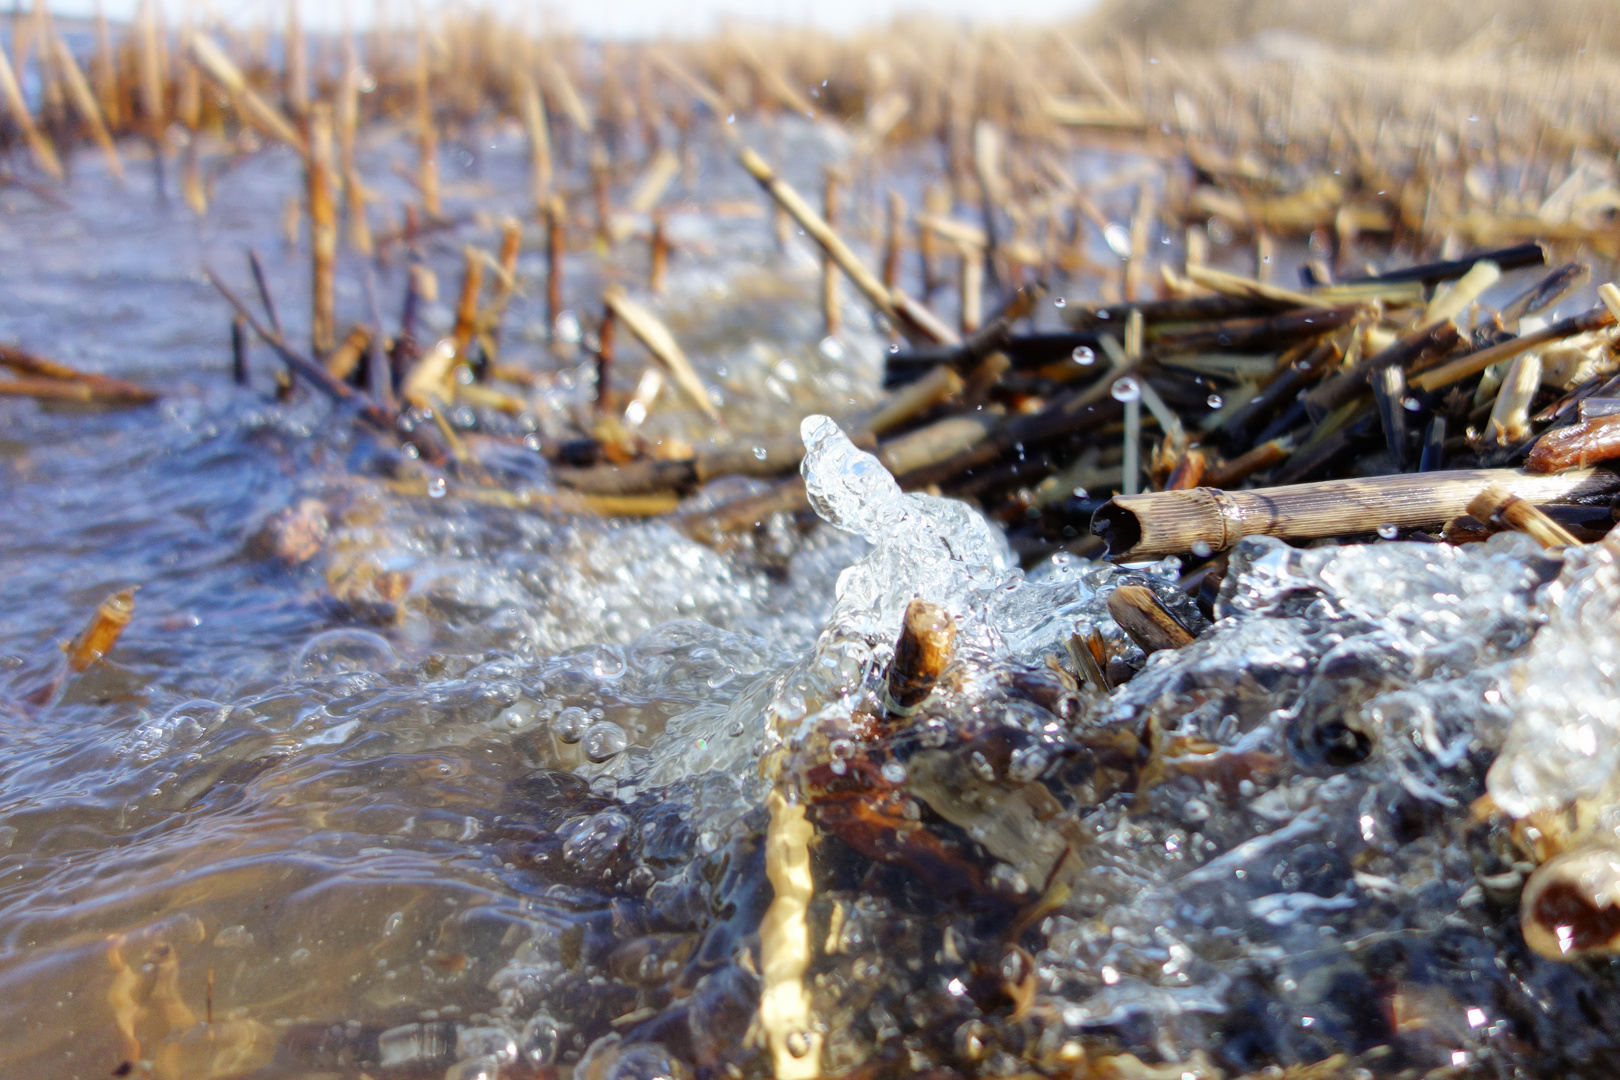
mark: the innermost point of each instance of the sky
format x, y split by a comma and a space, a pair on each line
636, 18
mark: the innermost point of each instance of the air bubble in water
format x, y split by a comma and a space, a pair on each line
761, 453
1202, 549
1060, 302
435, 488
1126, 389
1388, 531
605, 741
342, 652
1215, 401
894, 348
571, 723
894, 772
1084, 355
541, 1042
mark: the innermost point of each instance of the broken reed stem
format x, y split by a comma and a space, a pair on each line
556, 240
1152, 525
348, 123
249, 105
1474, 363
921, 654
1496, 503
1148, 622
972, 284
322, 231
1509, 423
533, 107
87, 387
604, 361
99, 636
472, 287
894, 240
658, 257
38, 145
84, 100
831, 317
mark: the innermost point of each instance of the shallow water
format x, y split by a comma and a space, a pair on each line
479, 789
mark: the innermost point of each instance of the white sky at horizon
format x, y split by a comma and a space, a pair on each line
618, 18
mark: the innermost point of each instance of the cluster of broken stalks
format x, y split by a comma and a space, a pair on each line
1212, 403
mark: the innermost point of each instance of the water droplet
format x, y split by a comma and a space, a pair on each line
797, 1043
1215, 401
1411, 404
1118, 238
1388, 531
1084, 355
1060, 302
1202, 549
841, 749
570, 724
761, 453
731, 118
435, 488
1081, 493
894, 772
1126, 389
894, 348
605, 741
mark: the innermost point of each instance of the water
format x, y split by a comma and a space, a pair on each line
477, 791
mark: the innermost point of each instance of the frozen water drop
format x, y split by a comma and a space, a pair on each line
1126, 389
1084, 355
605, 741
1388, 531
1215, 401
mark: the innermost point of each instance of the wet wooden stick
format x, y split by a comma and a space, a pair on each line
95, 387
322, 231
923, 651
39, 146
1231, 473
99, 636
84, 100
1156, 524
311, 371
1141, 615
1496, 503
652, 333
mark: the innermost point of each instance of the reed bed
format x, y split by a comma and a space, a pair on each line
1186, 360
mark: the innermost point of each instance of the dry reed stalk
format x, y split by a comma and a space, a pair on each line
39, 146
249, 105
604, 361
1231, 473
427, 134
99, 636
972, 286
323, 231
658, 257
651, 332
104, 74
149, 74
1498, 504
1509, 421
556, 241
533, 108
1142, 222
89, 387
1474, 363
472, 287
831, 315
296, 63
343, 361
1137, 527
894, 240
348, 123
84, 100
